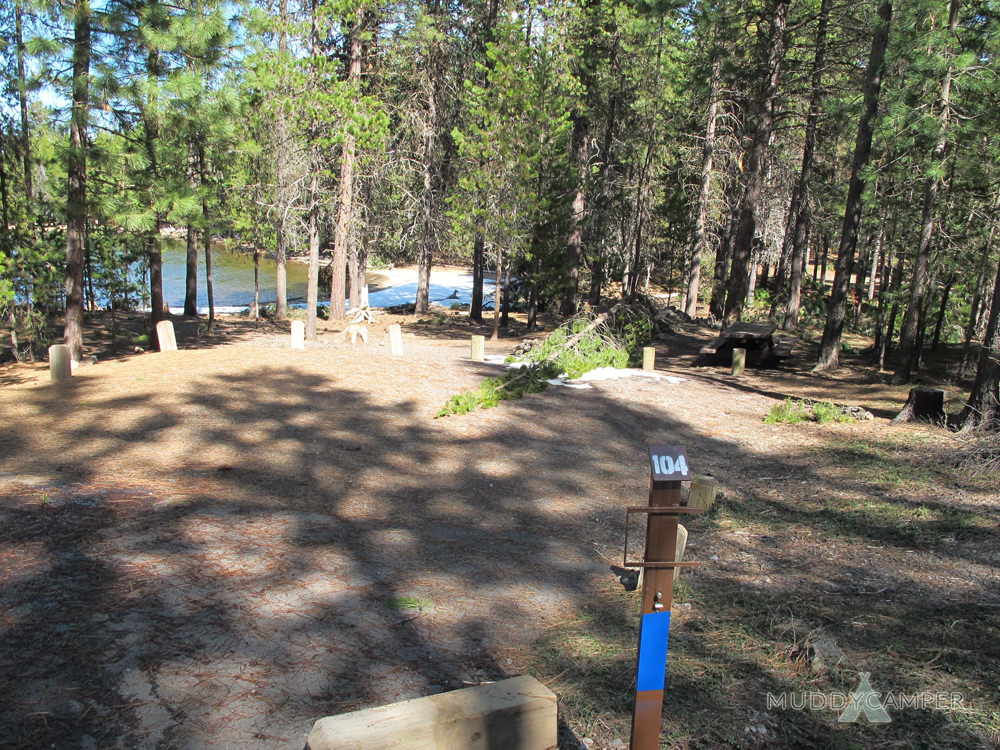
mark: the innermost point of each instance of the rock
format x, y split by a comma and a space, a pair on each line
824, 653
858, 413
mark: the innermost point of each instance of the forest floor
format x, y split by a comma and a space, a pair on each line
217, 546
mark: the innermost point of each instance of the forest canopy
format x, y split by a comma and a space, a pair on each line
735, 152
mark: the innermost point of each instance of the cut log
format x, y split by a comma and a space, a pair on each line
514, 714
923, 405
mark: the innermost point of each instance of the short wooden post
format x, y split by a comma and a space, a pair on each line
298, 334
165, 336
60, 366
396, 339
703, 492
648, 358
739, 361
682, 540
478, 348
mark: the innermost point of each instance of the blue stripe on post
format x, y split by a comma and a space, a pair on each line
653, 636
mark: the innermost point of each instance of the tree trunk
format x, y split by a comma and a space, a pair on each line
312, 282
478, 272
76, 173
801, 194
983, 406
945, 293
281, 274
191, 261
4, 197
345, 207
700, 244
739, 277
430, 155
206, 238
724, 255
918, 284
829, 355
574, 245
281, 187
22, 89
496, 296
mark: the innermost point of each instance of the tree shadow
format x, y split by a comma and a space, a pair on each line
314, 549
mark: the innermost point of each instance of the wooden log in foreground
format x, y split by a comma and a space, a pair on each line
922, 405
514, 714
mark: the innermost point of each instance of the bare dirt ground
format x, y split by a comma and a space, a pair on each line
217, 546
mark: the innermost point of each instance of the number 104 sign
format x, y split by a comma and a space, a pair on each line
669, 463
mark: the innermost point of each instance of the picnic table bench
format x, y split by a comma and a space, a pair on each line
756, 338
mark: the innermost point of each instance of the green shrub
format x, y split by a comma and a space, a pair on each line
513, 384
793, 411
789, 411
825, 412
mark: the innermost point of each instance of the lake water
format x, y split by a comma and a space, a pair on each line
232, 277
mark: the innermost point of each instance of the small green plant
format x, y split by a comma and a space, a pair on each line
789, 411
513, 384
825, 412
409, 603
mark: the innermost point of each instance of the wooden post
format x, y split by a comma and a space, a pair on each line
165, 336
669, 468
682, 540
648, 358
298, 334
703, 491
739, 360
518, 713
60, 366
478, 348
396, 339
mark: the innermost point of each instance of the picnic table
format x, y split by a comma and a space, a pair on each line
756, 338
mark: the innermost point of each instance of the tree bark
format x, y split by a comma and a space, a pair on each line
191, 260
281, 187
829, 355
76, 173
724, 255
346, 192
312, 277
983, 406
700, 244
478, 273
574, 244
801, 209
739, 277
22, 91
425, 254
918, 286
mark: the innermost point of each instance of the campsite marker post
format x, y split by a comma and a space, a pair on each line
668, 469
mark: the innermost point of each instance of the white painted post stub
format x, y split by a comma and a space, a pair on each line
478, 348
165, 336
60, 367
396, 339
648, 358
298, 334
739, 361
703, 491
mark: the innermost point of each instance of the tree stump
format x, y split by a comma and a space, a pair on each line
923, 405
